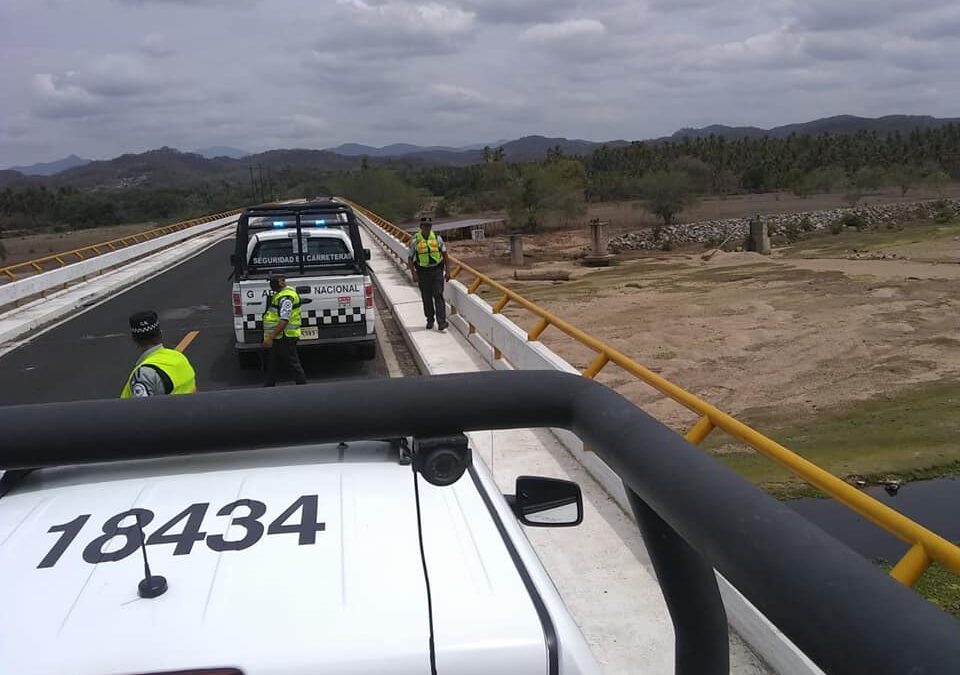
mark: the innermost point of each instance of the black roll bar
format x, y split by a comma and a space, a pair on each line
695, 513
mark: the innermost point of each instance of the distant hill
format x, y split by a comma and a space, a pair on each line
164, 167
531, 148
168, 167
394, 150
221, 151
840, 124
321, 160
14, 179
51, 168
526, 149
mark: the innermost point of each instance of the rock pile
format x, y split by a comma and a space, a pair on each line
874, 216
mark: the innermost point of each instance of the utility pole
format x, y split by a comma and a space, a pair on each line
262, 197
253, 185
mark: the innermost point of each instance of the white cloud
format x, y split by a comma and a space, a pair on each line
107, 76
454, 97
429, 20
55, 98
156, 45
562, 31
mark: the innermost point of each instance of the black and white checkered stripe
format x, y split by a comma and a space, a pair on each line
332, 317
314, 317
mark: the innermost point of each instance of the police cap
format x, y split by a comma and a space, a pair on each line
144, 324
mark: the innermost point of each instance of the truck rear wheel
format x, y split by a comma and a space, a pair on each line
367, 351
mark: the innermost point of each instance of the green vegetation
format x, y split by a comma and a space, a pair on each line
823, 244
938, 585
668, 176
909, 435
667, 194
536, 191
380, 190
69, 208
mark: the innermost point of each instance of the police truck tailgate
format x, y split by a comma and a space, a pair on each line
332, 308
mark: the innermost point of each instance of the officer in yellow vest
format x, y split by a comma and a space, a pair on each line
430, 266
159, 370
281, 332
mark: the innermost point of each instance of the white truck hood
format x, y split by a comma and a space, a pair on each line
351, 602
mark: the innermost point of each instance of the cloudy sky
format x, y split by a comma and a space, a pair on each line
102, 77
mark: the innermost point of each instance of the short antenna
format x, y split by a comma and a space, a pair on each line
151, 586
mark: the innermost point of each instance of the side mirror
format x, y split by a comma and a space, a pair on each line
233, 259
547, 502
366, 254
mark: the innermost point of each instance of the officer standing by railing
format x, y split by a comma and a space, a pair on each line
430, 266
281, 332
159, 370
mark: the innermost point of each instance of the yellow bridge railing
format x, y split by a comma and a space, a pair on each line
56, 260
926, 546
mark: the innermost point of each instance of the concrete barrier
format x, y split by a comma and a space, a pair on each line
16, 292
491, 334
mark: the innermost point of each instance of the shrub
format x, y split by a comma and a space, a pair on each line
806, 224
943, 212
837, 226
853, 219
712, 242
667, 245
791, 232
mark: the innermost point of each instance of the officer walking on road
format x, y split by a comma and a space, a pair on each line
430, 265
159, 370
281, 332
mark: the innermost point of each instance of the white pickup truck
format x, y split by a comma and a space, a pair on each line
316, 246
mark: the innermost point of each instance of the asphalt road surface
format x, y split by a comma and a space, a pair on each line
89, 356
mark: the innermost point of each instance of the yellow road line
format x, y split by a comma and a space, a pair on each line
187, 339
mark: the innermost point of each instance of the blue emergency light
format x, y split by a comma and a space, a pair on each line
320, 222
278, 223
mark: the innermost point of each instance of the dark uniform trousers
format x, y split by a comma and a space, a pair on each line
283, 357
430, 280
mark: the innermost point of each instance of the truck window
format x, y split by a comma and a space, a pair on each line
320, 251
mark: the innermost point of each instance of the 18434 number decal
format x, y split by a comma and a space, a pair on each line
183, 530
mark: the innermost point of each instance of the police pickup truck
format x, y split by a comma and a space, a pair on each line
209, 549
316, 246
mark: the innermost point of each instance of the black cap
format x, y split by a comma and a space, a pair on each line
424, 220
143, 324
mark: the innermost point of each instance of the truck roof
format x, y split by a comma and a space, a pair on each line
312, 206
349, 598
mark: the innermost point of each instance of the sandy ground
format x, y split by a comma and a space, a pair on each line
29, 247
798, 331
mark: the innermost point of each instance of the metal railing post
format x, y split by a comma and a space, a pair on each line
702, 641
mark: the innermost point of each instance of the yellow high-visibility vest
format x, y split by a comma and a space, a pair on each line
428, 250
272, 316
174, 364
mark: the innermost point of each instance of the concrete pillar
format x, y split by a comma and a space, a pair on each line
598, 256
759, 236
516, 250
598, 238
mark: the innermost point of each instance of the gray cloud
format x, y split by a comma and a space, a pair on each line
108, 76
156, 45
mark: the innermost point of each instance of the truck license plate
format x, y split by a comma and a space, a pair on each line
309, 333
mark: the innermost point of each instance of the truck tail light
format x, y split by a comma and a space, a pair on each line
237, 305
368, 294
